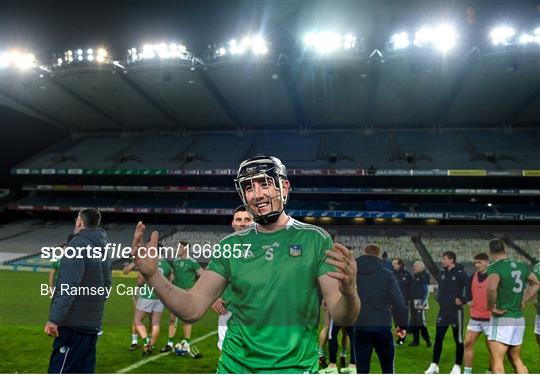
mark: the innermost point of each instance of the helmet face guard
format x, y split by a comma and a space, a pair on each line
263, 169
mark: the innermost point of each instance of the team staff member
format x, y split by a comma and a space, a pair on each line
419, 293
275, 282
75, 320
381, 299
404, 278
451, 296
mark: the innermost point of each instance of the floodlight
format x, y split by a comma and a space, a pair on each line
400, 40
444, 38
501, 35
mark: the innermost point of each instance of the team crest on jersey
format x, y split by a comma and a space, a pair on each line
295, 250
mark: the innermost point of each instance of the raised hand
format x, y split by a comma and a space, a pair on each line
147, 265
342, 258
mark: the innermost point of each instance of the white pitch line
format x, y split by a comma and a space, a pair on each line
158, 356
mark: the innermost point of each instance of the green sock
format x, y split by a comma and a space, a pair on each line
146, 341
321, 351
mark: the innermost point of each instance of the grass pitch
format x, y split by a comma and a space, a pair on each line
24, 348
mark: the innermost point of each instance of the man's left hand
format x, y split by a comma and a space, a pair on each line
342, 258
51, 329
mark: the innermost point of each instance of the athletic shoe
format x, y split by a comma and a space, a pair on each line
414, 344
456, 369
133, 346
400, 341
329, 370
432, 369
322, 362
342, 362
348, 370
166, 348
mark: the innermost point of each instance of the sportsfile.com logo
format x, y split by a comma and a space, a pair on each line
117, 251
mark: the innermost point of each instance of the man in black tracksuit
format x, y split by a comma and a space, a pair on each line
381, 299
75, 317
451, 296
403, 278
419, 291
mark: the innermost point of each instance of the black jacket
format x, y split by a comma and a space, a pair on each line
452, 284
419, 286
379, 294
82, 313
404, 277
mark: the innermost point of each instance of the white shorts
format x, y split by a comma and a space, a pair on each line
537, 324
478, 326
508, 331
222, 328
149, 305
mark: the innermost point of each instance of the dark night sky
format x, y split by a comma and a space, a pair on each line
45, 27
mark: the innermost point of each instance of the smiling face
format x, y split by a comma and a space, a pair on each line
263, 197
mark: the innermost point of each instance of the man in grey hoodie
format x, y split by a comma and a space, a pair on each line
381, 299
79, 297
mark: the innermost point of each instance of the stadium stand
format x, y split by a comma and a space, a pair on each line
399, 150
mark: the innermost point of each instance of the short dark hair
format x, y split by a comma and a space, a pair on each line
384, 255
240, 208
482, 256
184, 243
372, 249
399, 262
91, 217
450, 255
496, 246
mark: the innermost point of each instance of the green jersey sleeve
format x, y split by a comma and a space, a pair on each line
220, 264
323, 267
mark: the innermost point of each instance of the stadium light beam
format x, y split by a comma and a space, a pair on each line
325, 42
15, 59
400, 40
442, 37
502, 35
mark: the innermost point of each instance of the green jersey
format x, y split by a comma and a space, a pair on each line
55, 265
513, 281
275, 301
165, 269
185, 272
226, 296
536, 271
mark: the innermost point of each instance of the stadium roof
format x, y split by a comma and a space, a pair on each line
370, 88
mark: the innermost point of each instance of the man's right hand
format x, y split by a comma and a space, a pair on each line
219, 307
498, 311
147, 265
